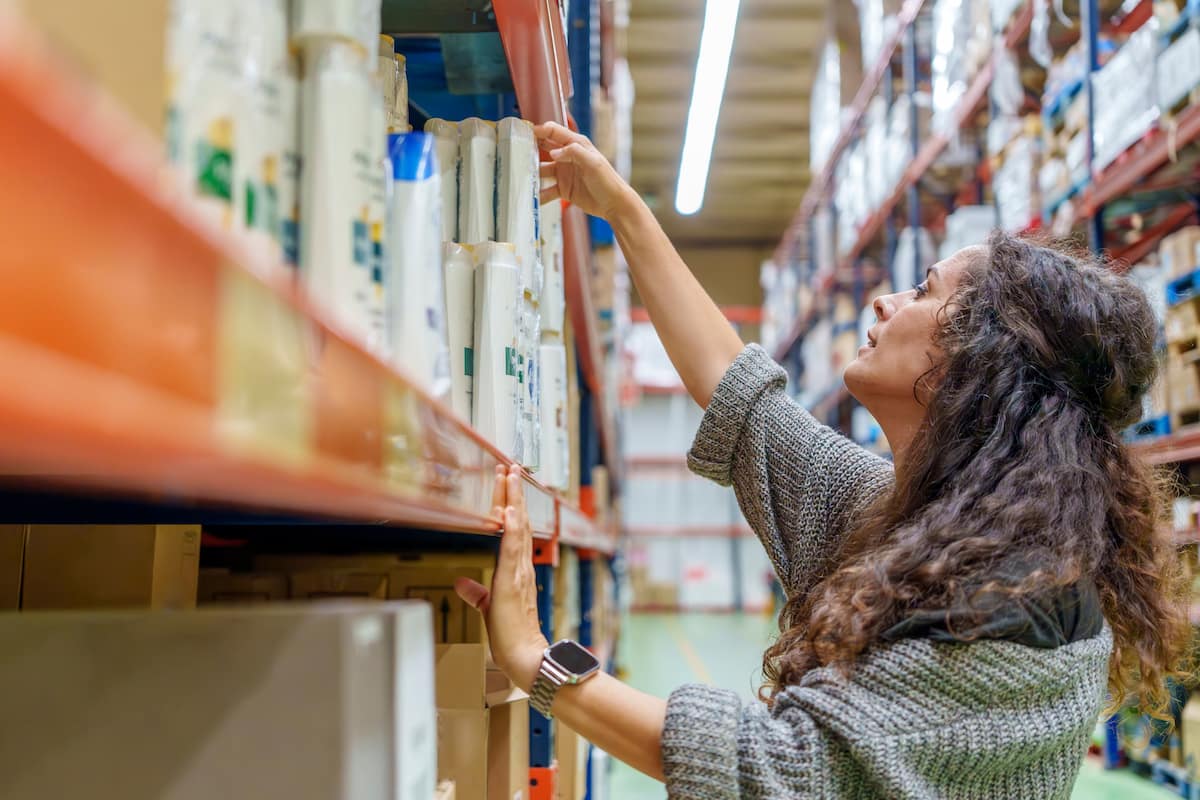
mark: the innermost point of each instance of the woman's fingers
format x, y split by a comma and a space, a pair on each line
473, 593
499, 490
549, 195
548, 170
555, 135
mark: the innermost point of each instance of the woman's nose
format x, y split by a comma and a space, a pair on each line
884, 306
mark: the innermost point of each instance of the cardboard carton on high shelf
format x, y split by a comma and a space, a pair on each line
222, 586
271, 702
1180, 252
331, 584
119, 45
566, 595
454, 622
483, 726
110, 566
12, 558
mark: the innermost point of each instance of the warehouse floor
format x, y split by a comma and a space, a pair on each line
661, 651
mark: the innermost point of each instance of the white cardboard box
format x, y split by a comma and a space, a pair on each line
269, 703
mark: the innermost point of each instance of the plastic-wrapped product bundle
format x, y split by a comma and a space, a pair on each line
445, 133
553, 301
416, 297
398, 115
496, 391
260, 127
531, 396
555, 446
203, 73
349, 20
375, 174
459, 266
290, 163
388, 69
517, 187
334, 112
476, 181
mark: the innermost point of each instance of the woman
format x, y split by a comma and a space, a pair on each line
954, 623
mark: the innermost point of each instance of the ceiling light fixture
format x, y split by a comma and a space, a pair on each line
712, 66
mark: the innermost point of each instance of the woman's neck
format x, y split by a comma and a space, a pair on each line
900, 427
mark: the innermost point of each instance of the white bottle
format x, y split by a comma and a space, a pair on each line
517, 187
334, 242
476, 181
497, 289
416, 297
553, 300
555, 444
446, 135
459, 267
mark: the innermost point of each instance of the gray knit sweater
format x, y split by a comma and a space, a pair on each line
916, 719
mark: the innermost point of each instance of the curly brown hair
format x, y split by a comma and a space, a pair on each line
1018, 482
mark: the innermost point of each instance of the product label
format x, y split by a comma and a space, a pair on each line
214, 163
510, 361
469, 362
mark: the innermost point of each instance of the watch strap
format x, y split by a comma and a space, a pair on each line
541, 698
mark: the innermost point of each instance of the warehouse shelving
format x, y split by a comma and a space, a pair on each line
147, 377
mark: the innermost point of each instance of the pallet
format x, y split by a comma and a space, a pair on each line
1149, 429
1183, 288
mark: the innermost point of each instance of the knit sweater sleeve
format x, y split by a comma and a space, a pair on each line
715, 747
799, 484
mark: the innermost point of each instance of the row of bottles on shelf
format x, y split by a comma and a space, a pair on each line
289, 123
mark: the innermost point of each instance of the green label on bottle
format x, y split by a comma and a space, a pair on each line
510, 361
469, 362
216, 172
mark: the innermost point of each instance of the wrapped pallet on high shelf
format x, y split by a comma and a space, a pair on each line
1015, 182
962, 41
1179, 255
1125, 96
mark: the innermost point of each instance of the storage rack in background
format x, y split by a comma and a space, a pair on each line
130, 342
1123, 203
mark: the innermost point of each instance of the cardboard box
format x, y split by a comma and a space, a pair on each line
481, 736
570, 750
223, 586
12, 557
330, 584
1179, 253
1181, 323
111, 566
118, 44
566, 595
273, 702
454, 622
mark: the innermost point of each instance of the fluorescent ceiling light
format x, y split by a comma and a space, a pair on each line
712, 65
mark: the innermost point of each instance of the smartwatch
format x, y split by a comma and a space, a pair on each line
563, 664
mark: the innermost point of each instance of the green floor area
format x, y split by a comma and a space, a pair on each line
661, 651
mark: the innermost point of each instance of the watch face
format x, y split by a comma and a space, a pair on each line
573, 658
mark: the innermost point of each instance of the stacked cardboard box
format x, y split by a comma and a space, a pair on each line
98, 566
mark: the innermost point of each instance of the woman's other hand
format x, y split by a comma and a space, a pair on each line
510, 607
579, 173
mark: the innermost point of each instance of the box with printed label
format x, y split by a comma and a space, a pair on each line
570, 751
271, 702
454, 622
328, 584
110, 566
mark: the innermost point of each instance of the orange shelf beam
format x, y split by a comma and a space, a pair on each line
148, 353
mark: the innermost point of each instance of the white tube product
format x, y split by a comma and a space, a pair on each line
375, 175
497, 287
555, 449
417, 300
203, 71
476, 181
532, 394
334, 114
349, 20
445, 133
259, 128
290, 163
553, 301
459, 265
517, 186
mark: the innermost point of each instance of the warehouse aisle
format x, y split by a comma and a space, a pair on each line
663, 651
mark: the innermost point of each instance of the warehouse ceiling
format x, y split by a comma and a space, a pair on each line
760, 159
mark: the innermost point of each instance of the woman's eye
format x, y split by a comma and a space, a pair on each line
922, 289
